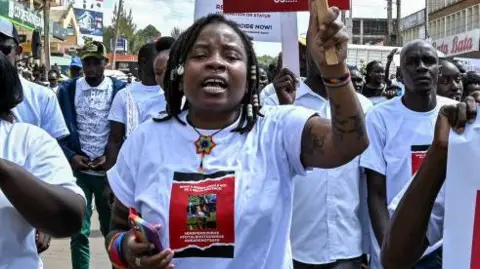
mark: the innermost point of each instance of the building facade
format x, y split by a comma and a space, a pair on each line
413, 26
370, 31
454, 26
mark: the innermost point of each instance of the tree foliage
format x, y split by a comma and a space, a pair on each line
176, 32
128, 29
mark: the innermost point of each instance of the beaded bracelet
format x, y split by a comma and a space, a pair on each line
115, 251
337, 82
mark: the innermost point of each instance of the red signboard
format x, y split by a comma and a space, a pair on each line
251, 6
475, 260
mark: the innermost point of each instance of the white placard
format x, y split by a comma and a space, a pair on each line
264, 27
290, 50
461, 190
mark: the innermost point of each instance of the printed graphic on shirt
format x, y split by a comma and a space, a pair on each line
202, 215
419, 152
475, 259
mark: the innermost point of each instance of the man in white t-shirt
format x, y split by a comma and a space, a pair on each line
400, 131
39, 106
85, 104
408, 237
136, 103
326, 227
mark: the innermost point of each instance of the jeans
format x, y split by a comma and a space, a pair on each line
431, 261
79, 244
355, 263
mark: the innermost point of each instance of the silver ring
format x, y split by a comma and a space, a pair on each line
138, 262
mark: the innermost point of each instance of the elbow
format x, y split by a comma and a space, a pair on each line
356, 148
69, 220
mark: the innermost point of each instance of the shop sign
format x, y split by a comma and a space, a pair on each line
22, 14
459, 44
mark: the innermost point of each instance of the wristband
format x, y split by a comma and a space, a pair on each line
115, 251
337, 82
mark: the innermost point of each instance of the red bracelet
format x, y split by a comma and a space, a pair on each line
337, 82
115, 251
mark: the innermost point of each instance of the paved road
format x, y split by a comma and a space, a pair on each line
58, 256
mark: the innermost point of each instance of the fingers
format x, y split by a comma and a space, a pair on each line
471, 109
331, 26
461, 119
476, 96
160, 260
339, 37
137, 248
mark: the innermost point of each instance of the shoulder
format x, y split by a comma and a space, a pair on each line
278, 114
444, 101
33, 90
29, 133
118, 84
65, 86
386, 107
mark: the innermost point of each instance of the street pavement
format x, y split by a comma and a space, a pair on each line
58, 256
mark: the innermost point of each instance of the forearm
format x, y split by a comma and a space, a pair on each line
113, 148
53, 209
379, 217
348, 132
405, 240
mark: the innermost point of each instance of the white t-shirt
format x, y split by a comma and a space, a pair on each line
399, 139
249, 189
326, 224
37, 152
435, 225
149, 101
40, 107
93, 106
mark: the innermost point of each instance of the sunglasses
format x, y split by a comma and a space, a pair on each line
5, 49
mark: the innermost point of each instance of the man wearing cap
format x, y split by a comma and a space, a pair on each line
76, 68
39, 106
85, 103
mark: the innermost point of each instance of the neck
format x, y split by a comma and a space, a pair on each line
420, 102
94, 82
375, 85
149, 81
315, 83
212, 120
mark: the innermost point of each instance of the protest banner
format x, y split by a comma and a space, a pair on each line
461, 240
232, 6
265, 27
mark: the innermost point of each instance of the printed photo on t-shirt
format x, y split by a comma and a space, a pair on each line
419, 152
202, 215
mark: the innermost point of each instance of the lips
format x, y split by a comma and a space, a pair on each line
214, 85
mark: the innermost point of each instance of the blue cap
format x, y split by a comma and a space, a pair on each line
76, 62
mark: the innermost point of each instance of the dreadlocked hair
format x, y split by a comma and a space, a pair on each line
178, 56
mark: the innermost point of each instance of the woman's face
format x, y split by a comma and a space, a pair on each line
377, 74
159, 66
215, 70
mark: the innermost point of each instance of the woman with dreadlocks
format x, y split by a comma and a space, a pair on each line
221, 153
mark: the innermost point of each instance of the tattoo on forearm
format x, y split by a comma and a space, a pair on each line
347, 125
313, 144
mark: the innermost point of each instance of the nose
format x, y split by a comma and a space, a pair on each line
456, 86
216, 62
422, 67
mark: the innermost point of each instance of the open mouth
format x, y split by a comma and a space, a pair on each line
214, 85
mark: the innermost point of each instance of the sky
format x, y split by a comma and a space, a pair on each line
166, 14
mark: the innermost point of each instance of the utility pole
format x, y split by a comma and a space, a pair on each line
399, 17
389, 22
46, 34
117, 26
350, 22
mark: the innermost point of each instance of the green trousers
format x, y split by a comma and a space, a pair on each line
79, 244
